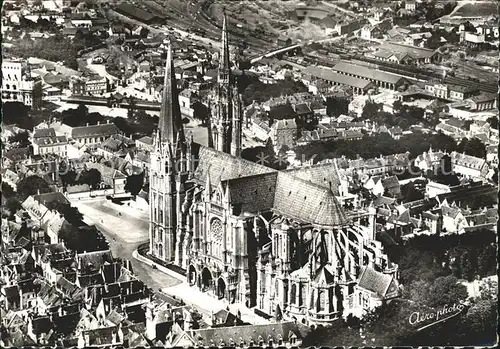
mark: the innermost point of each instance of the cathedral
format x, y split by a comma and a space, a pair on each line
278, 241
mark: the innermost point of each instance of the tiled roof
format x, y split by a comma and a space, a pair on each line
221, 166
455, 123
330, 75
374, 281
284, 111
50, 141
253, 193
94, 131
307, 202
484, 97
285, 125
413, 51
282, 192
96, 258
48, 198
246, 334
146, 140
44, 132
302, 108
390, 182
467, 160
321, 174
452, 212
366, 72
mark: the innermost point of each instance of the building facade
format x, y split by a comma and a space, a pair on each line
19, 86
226, 124
249, 234
94, 85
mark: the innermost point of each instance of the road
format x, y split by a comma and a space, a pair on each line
125, 233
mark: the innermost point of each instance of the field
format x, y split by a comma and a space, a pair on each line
484, 8
271, 17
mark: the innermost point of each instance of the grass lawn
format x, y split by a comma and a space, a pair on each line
485, 8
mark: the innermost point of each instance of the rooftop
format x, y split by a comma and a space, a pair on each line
349, 68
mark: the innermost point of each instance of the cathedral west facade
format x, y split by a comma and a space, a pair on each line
276, 240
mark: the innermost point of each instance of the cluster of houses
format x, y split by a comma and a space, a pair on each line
101, 147
52, 295
444, 208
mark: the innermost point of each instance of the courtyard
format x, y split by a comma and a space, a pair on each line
125, 229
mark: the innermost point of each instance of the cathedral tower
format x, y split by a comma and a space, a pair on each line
168, 170
226, 124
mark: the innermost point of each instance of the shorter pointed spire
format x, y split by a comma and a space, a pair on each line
208, 186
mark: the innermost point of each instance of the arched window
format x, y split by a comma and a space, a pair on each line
293, 294
216, 237
321, 300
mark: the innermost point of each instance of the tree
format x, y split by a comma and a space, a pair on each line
144, 33
16, 113
446, 290
70, 213
397, 105
21, 139
201, 112
370, 110
12, 205
7, 191
91, 177
411, 193
336, 106
486, 261
473, 147
493, 121
32, 185
134, 183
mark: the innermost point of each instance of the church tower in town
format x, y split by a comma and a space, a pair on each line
225, 126
168, 172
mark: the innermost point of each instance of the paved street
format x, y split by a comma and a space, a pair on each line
124, 233
207, 304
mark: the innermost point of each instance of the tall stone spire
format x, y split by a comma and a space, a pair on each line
224, 68
170, 123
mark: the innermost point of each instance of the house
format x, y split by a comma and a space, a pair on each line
283, 132
187, 100
428, 160
452, 127
391, 186
45, 141
110, 176
411, 6
285, 333
144, 143
453, 219
373, 290
88, 85
469, 166
484, 101
407, 54
115, 146
369, 32
460, 93
492, 154
92, 134
346, 28
10, 178
396, 132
